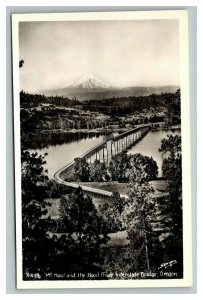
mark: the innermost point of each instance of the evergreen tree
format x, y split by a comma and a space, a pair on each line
83, 228
36, 244
172, 171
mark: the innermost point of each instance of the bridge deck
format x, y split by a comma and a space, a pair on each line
90, 190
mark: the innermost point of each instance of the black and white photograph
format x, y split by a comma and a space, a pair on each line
102, 149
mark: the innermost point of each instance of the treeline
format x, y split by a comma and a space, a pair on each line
32, 100
119, 169
126, 105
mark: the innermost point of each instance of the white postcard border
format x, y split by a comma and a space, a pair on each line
181, 15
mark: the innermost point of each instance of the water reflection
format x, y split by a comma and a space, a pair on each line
60, 154
54, 139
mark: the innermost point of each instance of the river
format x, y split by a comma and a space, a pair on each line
61, 154
151, 143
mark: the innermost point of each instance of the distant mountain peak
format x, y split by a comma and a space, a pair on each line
89, 81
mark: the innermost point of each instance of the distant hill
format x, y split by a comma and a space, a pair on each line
89, 87
106, 93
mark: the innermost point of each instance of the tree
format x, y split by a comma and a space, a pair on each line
142, 168
98, 171
139, 217
33, 176
118, 202
118, 166
35, 241
173, 104
81, 169
172, 171
139, 213
171, 146
83, 227
111, 213
123, 166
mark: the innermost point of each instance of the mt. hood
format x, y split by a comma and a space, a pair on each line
89, 81
89, 87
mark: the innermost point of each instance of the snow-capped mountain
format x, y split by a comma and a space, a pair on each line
89, 87
89, 81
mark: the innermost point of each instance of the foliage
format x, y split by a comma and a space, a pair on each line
172, 168
172, 171
33, 176
123, 167
34, 225
142, 168
98, 171
33, 100
126, 167
171, 145
55, 190
83, 227
139, 213
111, 214
173, 105
79, 248
118, 166
118, 202
139, 216
120, 106
81, 170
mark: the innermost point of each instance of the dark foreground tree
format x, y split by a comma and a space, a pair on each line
139, 215
173, 104
82, 227
81, 170
33, 176
35, 241
172, 171
98, 171
111, 214
70, 244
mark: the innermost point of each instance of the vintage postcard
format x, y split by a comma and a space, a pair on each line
102, 149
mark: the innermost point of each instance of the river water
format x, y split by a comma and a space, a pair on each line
61, 154
151, 143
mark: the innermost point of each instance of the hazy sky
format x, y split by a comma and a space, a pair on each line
124, 53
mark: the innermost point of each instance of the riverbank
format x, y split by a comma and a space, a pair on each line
175, 127
96, 130
102, 130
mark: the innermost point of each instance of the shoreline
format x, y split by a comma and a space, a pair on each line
101, 130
